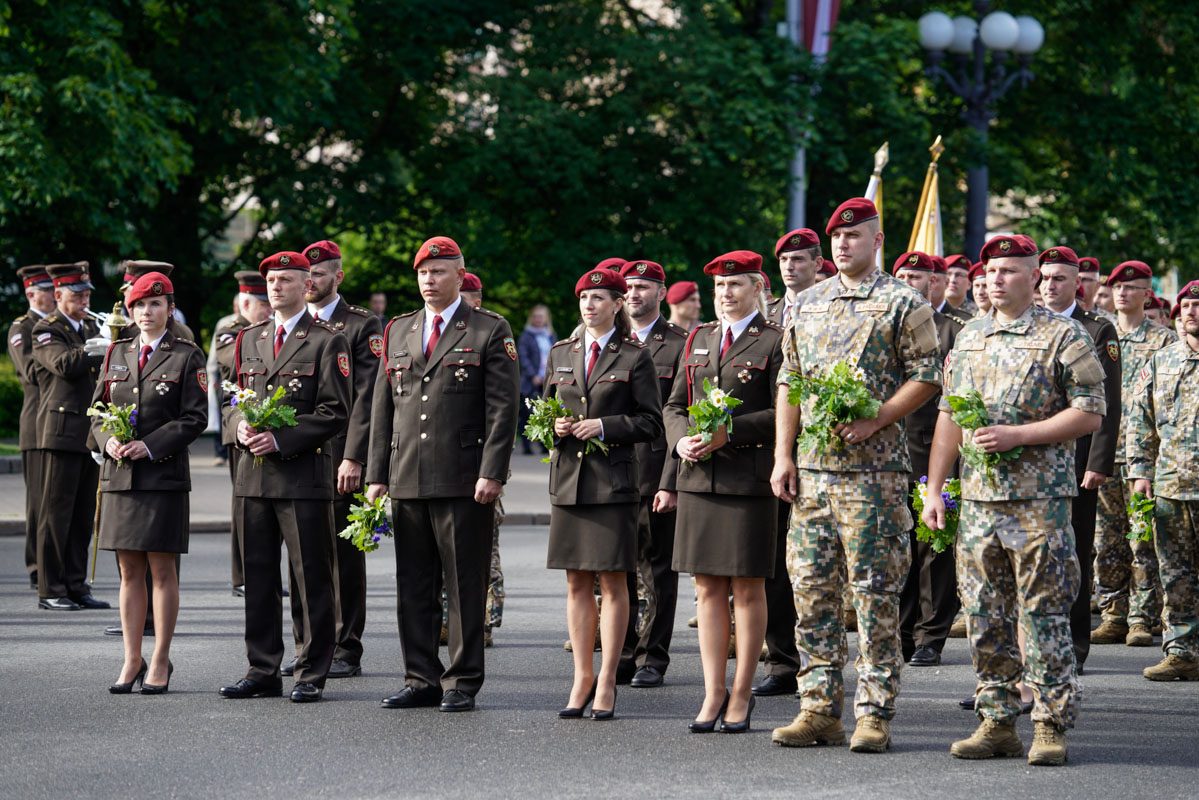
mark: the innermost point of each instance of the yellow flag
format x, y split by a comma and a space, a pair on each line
874, 192
926, 231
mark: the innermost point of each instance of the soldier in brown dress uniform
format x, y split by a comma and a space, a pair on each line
443, 422
727, 514
39, 291
65, 370
146, 482
288, 497
956, 268
134, 269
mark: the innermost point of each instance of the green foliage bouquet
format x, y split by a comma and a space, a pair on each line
120, 421
951, 495
841, 397
1140, 518
368, 523
261, 415
543, 412
970, 413
714, 411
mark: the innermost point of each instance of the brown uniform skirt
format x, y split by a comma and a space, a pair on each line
594, 537
149, 521
725, 534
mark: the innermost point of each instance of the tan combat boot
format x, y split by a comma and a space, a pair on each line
873, 735
1139, 635
1109, 632
958, 629
1173, 668
993, 738
487, 640
809, 729
693, 622
1048, 745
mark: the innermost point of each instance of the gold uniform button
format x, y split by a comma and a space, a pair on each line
135, 390
579, 454
270, 388
318, 451
426, 379
584, 399
424, 417
480, 441
61, 408
424, 436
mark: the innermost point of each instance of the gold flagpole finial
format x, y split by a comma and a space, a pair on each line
881, 156
937, 149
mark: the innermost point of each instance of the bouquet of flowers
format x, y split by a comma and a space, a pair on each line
841, 397
970, 413
951, 495
711, 413
368, 523
120, 421
261, 415
540, 427
1140, 517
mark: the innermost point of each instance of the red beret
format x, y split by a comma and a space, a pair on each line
1189, 292
152, 284
1177, 310
798, 239
1078, 291
939, 264
977, 270
680, 291
853, 211
1004, 246
324, 250
35, 275
1088, 264
1129, 271
471, 283
1151, 301
645, 270
827, 267
284, 260
613, 264
735, 263
437, 247
914, 260
601, 279
957, 262
1059, 255
766, 279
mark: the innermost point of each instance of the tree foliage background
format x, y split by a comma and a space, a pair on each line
545, 136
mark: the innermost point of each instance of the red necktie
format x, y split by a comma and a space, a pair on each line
433, 337
279, 334
595, 348
144, 357
728, 342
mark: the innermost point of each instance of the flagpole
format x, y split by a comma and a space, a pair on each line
797, 202
874, 192
930, 176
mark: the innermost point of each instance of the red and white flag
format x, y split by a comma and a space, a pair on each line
819, 19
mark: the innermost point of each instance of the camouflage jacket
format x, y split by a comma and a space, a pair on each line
1163, 427
1026, 371
888, 330
1137, 347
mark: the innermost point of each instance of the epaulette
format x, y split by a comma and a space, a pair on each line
21, 318
256, 325
186, 341
634, 341
488, 312
712, 324
320, 323
561, 342
773, 326
409, 314
676, 329
50, 318
359, 310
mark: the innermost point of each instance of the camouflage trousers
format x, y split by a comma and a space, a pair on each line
1016, 562
647, 598
1126, 573
849, 526
495, 579
1176, 534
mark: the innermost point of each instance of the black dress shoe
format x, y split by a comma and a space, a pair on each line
647, 678
33, 581
305, 692
340, 668
239, 590
709, 725
773, 685
115, 630
456, 700
86, 600
743, 725
248, 687
57, 604
625, 671
925, 656
968, 703
288, 670
412, 697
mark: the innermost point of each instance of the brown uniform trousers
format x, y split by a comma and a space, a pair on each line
437, 426
20, 352
289, 496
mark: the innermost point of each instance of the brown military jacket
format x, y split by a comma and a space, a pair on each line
171, 398
66, 378
923, 421
438, 425
226, 340
622, 393
775, 309
962, 315
1097, 451
20, 352
748, 371
665, 344
314, 366
365, 337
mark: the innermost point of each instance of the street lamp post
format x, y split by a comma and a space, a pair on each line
968, 40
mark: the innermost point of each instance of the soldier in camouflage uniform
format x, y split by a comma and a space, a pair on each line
1119, 562
957, 287
1163, 451
1042, 383
850, 508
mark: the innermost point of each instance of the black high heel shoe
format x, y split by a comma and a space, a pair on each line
707, 726
571, 712
610, 713
127, 688
149, 688
734, 727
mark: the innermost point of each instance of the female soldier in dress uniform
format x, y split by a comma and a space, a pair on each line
609, 382
144, 508
724, 533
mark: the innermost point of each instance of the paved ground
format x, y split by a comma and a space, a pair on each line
62, 734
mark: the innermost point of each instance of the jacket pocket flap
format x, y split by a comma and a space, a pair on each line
468, 359
749, 363
698, 360
401, 362
471, 437
167, 375
297, 368
562, 377
666, 371
116, 374
614, 376
253, 368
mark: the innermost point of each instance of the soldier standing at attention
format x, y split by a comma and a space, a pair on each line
443, 422
957, 284
850, 510
134, 270
1163, 461
1042, 384
1095, 454
67, 353
39, 291
939, 282
288, 497
683, 300
1091, 283
978, 283
1127, 572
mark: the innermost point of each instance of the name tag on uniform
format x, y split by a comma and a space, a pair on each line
400, 354
1169, 371
699, 351
1030, 344
814, 308
873, 306
1143, 346
252, 358
566, 369
118, 367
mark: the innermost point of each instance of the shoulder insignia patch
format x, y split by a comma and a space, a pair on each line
510, 347
43, 338
376, 344
1113, 350
202, 378
343, 364
15, 341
